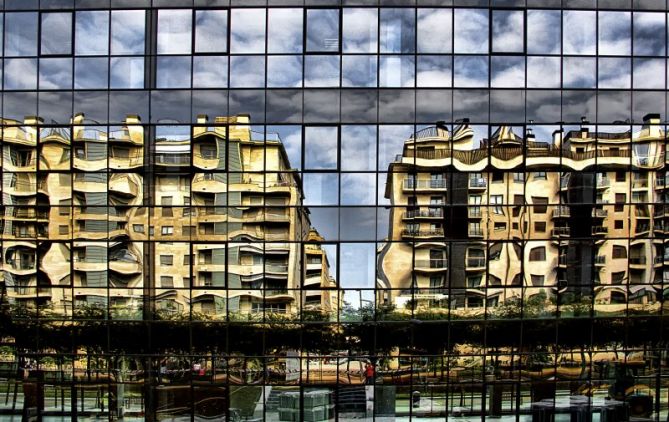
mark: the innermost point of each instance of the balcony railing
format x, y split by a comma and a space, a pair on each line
474, 212
473, 231
637, 260
423, 233
603, 182
599, 230
433, 213
599, 213
476, 262
560, 231
424, 184
431, 263
642, 228
600, 259
477, 182
561, 211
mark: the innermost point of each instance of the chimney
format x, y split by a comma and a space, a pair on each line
441, 124
651, 119
202, 118
557, 137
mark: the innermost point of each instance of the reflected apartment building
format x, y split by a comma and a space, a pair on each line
514, 219
217, 221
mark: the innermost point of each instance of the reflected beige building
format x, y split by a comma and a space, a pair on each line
214, 228
556, 222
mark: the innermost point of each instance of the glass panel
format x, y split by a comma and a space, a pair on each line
21, 34
322, 30
127, 31
211, 31
91, 33
56, 33
174, 31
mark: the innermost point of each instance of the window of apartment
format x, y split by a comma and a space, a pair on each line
540, 175
537, 280
500, 226
621, 176
167, 230
518, 177
138, 228
166, 281
63, 229
538, 254
187, 259
497, 176
619, 252
474, 282
618, 277
540, 226
539, 205
621, 198
436, 281
166, 203
64, 206
518, 202
618, 224
166, 260
188, 230
496, 204
187, 282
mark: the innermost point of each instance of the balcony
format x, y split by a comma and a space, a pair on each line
600, 230
420, 214
637, 260
600, 260
430, 265
475, 263
475, 232
562, 211
640, 184
424, 184
474, 212
660, 183
560, 232
641, 228
599, 213
173, 159
276, 268
477, 183
603, 182
412, 234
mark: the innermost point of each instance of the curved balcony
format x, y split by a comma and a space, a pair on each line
430, 265
425, 185
422, 234
436, 213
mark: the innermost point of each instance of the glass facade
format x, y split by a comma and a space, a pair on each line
326, 210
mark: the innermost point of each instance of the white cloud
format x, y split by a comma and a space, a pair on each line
434, 30
578, 72
360, 28
615, 33
92, 32
471, 31
247, 31
508, 31
434, 71
211, 30
284, 71
649, 73
358, 148
543, 31
614, 73
285, 31
247, 71
321, 71
580, 30
127, 31
543, 72
508, 72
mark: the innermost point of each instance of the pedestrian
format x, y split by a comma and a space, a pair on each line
369, 374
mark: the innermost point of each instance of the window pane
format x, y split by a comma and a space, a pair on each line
434, 71
321, 71
173, 72
614, 73
21, 34
646, 71
360, 30
247, 31
397, 30
90, 73
285, 31
543, 72
91, 33
649, 34
396, 71
578, 72
359, 71
55, 73
358, 148
508, 72
210, 72
127, 31
284, 71
174, 31
247, 71
322, 30
56, 33
470, 71
127, 72
435, 30
320, 148
543, 31
615, 33
579, 35
211, 31
20, 73
508, 31
471, 31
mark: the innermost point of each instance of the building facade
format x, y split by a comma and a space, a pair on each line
311, 210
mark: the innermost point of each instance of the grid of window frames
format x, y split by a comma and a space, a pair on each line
321, 210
